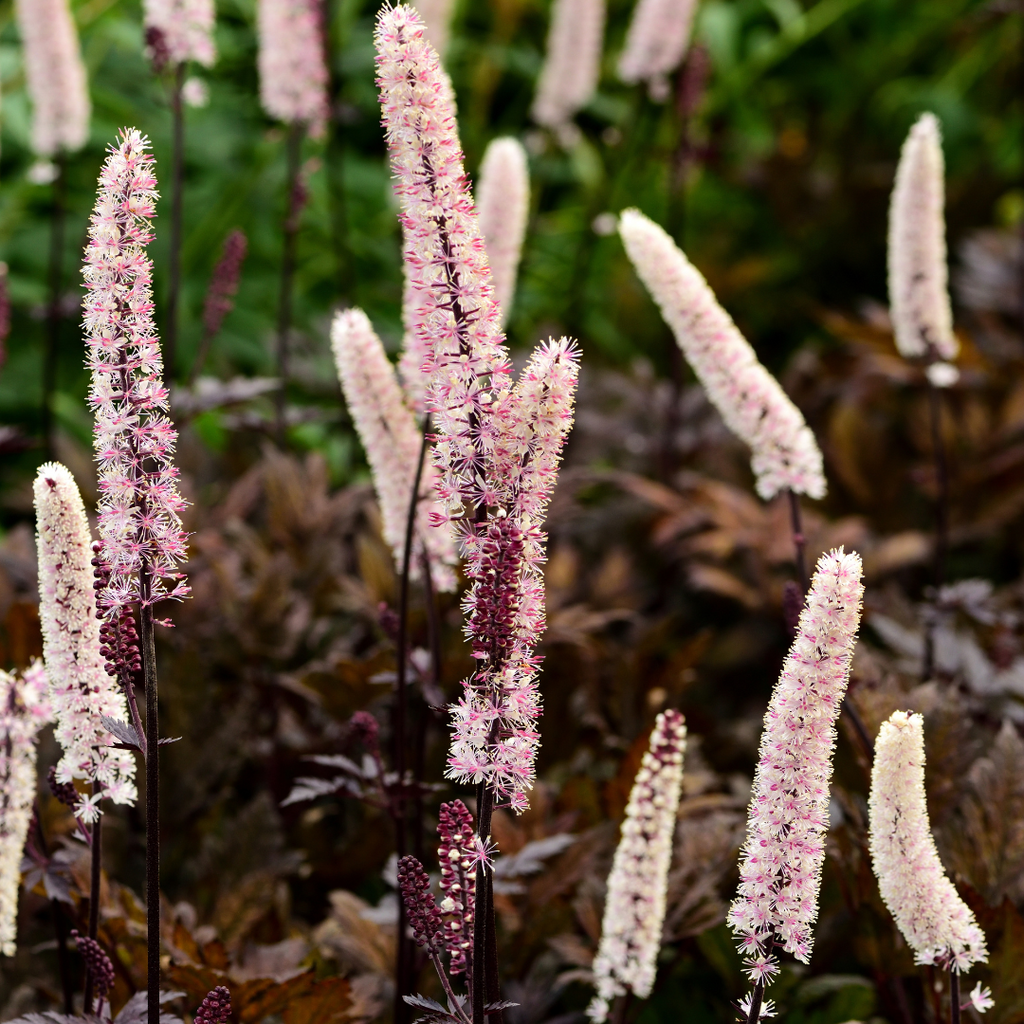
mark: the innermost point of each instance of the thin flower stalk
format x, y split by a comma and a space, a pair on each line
935, 921
784, 453
81, 690
918, 276
503, 205
24, 710
572, 63
656, 42
293, 72
391, 440
143, 542
55, 75
782, 857
634, 912
185, 27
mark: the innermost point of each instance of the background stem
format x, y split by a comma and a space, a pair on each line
954, 997
177, 188
53, 312
799, 541
94, 894
148, 647
941, 521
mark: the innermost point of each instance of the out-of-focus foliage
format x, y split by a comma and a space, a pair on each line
666, 573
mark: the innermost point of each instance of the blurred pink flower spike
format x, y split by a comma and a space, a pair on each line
784, 452
937, 924
186, 28
81, 690
437, 18
391, 440
656, 43
26, 709
134, 439
781, 860
918, 289
634, 911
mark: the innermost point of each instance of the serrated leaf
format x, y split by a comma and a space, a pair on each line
123, 731
336, 761
426, 1003
169, 739
497, 1007
308, 788
136, 1010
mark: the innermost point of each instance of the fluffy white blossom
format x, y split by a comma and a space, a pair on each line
186, 27
293, 73
503, 205
784, 453
918, 288
657, 40
392, 442
634, 911
55, 76
572, 64
24, 710
937, 924
781, 861
80, 688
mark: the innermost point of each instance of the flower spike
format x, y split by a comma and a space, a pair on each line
656, 42
185, 28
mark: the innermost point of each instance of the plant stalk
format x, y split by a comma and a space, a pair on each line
293, 210
177, 199
147, 639
53, 312
94, 895
941, 520
60, 928
799, 541
756, 998
954, 996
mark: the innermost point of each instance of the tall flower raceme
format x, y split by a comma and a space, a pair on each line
185, 28
497, 447
81, 690
781, 861
937, 924
572, 64
634, 911
656, 42
24, 710
918, 277
139, 506
55, 75
437, 20
293, 72
785, 454
392, 442
503, 204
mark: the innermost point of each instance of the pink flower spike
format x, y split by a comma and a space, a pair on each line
133, 438
55, 76
293, 72
656, 42
782, 857
784, 453
80, 690
392, 442
185, 27
634, 911
437, 16
24, 710
938, 926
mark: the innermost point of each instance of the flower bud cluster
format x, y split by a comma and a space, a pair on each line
119, 639
420, 909
64, 792
455, 853
215, 1008
97, 964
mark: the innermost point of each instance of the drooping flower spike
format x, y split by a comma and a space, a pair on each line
24, 710
634, 911
503, 202
55, 76
781, 861
80, 688
185, 28
784, 453
937, 924
572, 63
139, 506
656, 42
918, 289
293, 72
392, 441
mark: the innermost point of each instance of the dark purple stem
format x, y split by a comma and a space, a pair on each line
799, 541
94, 894
177, 188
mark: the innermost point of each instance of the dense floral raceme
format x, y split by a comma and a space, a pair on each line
293, 72
780, 866
634, 911
656, 43
503, 202
437, 18
80, 688
458, 882
918, 294
186, 28
133, 438
392, 442
572, 63
24, 710
420, 909
784, 453
936, 923
55, 76
497, 447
